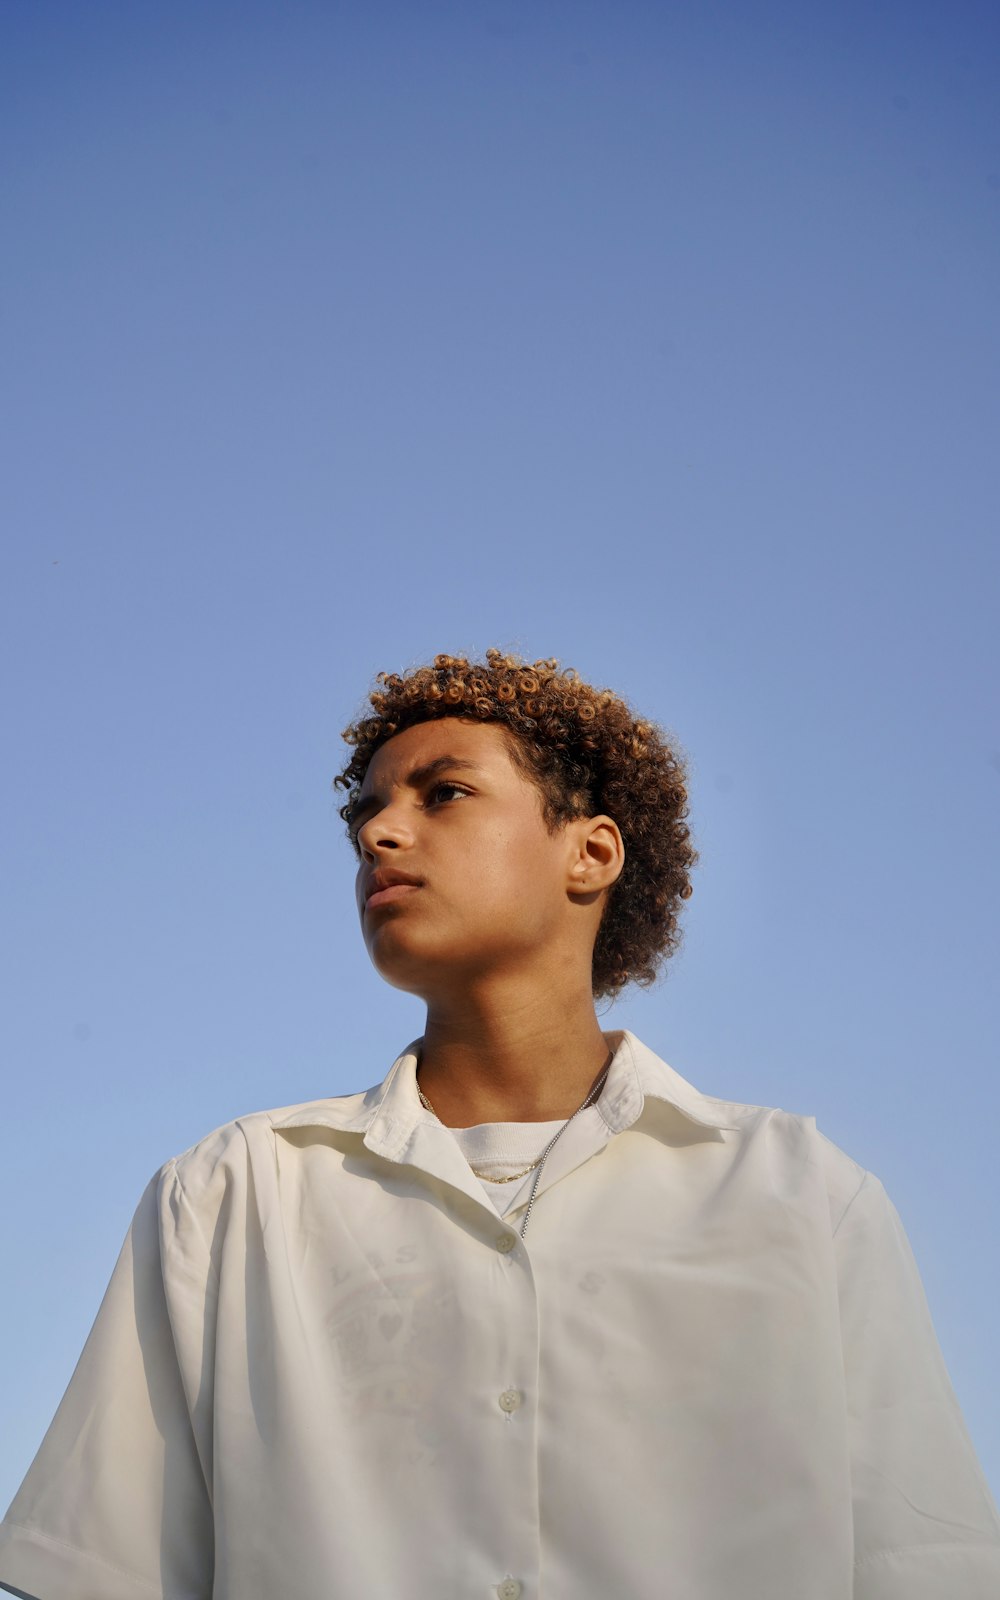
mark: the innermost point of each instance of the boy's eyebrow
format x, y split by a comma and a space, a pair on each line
414, 778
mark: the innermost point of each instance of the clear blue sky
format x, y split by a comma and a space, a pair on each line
661, 339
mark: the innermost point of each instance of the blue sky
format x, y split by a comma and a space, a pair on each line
663, 340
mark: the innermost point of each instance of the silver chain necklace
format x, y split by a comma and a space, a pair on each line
539, 1164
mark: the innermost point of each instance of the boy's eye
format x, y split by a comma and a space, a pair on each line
451, 788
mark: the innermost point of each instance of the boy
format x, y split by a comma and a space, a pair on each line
534, 1318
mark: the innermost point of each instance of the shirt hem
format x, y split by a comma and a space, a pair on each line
911, 1552
928, 1571
38, 1564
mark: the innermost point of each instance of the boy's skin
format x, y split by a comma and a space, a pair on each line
498, 937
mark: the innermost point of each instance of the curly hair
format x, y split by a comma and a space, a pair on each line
587, 753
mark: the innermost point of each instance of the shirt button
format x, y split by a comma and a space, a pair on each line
510, 1400
510, 1589
505, 1245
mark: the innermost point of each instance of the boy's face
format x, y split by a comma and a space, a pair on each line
443, 803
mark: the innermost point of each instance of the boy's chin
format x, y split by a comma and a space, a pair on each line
422, 971
414, 971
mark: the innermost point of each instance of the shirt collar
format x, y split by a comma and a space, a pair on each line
637, 1074
392, 1119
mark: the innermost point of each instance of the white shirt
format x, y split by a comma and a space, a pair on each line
326, 1369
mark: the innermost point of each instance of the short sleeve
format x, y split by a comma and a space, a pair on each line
115, 1505
924, 1522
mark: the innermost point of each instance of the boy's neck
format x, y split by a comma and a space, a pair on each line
501, 1058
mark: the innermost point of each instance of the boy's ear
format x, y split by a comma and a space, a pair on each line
598, 855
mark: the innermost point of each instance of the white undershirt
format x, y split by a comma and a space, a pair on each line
502, 1147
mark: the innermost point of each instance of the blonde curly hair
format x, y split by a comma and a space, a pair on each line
587, 753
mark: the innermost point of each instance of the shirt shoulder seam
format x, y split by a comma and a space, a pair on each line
171, 1170
866, 1178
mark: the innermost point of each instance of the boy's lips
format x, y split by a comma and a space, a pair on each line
389, 883
394, 891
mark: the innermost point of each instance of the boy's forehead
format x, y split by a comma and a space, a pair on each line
467, 740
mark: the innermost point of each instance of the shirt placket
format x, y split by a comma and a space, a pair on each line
510, 1420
